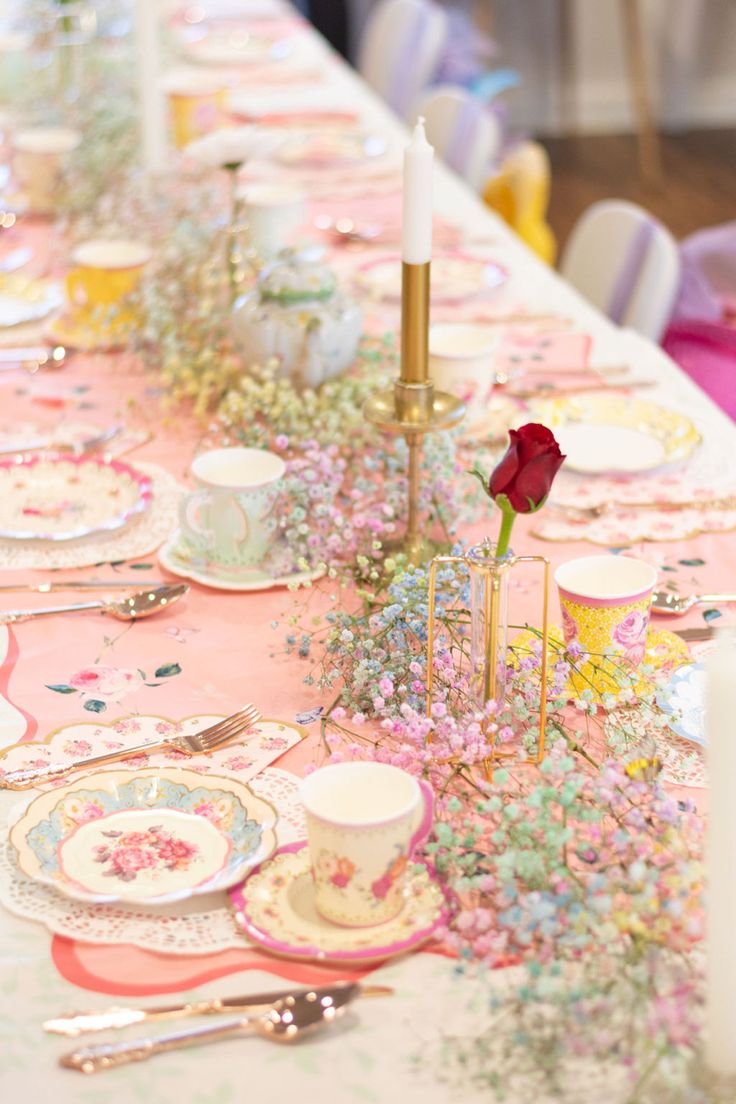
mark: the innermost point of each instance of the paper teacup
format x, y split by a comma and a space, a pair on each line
229, 521
461, 361
104, 272
364, 821
196, 105
39, 158
605, 604
272, 213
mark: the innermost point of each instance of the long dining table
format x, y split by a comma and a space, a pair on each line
214, 650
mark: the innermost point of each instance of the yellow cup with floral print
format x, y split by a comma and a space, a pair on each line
196, 105
605, 604
364, 822
103, 274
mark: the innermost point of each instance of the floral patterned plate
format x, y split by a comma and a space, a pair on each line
159, 835
62, 498
663, 652
455, 276
23, 299
327, 149
173, 556
275, 907
683, 700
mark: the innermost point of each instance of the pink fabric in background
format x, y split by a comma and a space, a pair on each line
707, 352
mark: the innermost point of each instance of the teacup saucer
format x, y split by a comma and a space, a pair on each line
275, 908
66, 330
174, 559
663, 652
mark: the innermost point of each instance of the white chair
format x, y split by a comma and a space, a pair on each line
626, 263
464, 131
401, 48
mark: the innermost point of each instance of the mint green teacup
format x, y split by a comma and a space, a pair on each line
229, 521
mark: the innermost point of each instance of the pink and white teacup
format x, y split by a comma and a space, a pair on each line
364, 822
605, 604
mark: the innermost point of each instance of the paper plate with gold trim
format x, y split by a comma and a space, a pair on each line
615, 434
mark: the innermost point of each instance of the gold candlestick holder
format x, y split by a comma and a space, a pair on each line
412, 408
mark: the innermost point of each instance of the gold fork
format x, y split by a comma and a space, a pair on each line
210, 739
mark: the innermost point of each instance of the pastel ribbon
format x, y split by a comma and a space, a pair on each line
403, 81
628, 277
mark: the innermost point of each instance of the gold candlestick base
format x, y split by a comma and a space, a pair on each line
412, 410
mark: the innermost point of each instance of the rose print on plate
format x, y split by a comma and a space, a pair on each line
153, 836
127, 853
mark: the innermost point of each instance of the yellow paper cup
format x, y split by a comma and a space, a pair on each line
104, 274
196, 106
605, 604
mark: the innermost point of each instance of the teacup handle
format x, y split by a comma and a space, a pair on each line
188, 508
427, 819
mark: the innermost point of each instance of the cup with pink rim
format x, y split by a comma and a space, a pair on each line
364, 822
462, 361
605, 604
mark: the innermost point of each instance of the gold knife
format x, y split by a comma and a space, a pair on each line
78, 1023
77, 584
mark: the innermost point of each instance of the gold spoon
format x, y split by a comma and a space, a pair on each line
145, 603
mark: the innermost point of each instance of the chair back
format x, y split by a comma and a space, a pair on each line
401, 49
519, 193
466, 134
626, 263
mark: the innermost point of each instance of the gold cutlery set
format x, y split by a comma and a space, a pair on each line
283, 1016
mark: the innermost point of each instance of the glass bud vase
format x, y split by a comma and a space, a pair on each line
75, 25
489, 587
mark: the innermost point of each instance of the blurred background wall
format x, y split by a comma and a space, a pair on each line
571, 58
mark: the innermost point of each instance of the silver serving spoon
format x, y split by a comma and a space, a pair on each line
287, 1021
144, 603
674, 605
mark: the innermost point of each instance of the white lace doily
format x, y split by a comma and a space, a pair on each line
140, 537
202, 925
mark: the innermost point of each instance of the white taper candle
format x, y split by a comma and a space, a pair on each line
720, 1025
416, 227
150, 93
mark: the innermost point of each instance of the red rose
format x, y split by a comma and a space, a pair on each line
528, 468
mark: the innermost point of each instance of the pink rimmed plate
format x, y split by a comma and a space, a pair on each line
275, 908
454, 277
63, 498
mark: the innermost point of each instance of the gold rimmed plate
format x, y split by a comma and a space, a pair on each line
616, 434
152, 837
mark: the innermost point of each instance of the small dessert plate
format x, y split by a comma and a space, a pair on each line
455, 277
174, 557
24, 299
62, 498
275, 908
160, 835
683, 700
663, 652
331, 149
616, 434
66, 330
